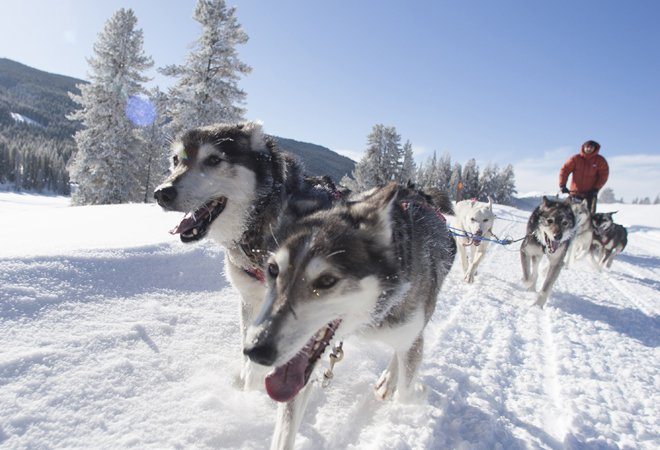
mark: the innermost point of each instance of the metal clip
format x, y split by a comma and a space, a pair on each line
336, 356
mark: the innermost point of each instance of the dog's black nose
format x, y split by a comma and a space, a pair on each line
263, 354
558, 236
165, 196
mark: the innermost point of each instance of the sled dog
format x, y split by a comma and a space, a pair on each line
549, 231
476, 220
581, 243
232, 183
373, 266
609, 239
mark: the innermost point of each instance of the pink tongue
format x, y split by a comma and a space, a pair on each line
186, 224
287, 380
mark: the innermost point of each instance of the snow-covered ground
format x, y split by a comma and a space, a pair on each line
114, 334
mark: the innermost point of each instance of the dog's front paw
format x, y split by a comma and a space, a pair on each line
469, 278
385, 386
529, 285
540, 301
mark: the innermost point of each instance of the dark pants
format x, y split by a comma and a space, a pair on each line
591, 200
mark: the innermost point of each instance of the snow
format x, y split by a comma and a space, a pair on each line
114, 334
19, 118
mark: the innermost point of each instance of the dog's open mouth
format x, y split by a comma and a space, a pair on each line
283, 383
195, 224
551, 244
474, 239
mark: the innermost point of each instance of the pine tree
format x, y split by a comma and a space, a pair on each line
382, 160
506, 185
488, 183
657, 200
607, 196
408, 167
106, 167
443, 172
456, 183
154, 144
206, 90
470, 179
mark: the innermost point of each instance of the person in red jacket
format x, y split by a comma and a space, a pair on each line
590, 172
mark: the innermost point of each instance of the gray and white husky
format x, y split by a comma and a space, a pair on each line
549, 232
233, 184
372, 266
609, 239
581, 243
476, 219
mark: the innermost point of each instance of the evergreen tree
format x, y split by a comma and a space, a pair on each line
408, 167
443, 172
206, 89
456, 183
382, 160
505, 186
107, 166
607, 196
470, 179
645, 201
657, 200
426, 173
155, 148
488, 183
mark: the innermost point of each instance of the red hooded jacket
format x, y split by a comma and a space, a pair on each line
590, 171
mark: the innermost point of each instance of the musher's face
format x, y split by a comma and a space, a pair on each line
589, 149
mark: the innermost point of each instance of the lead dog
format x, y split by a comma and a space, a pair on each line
372, 266
476, 220
609, 240
233, 184
549, 231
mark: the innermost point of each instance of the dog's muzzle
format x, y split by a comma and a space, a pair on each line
165, 196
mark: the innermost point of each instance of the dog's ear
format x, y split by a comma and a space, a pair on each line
490, 203
545, 202
374, 212
585, 203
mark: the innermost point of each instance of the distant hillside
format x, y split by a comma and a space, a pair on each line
318, 160
36, 138
36, 95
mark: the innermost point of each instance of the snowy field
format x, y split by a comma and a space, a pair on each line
114, 334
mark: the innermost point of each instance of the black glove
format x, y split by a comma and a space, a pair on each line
564, 190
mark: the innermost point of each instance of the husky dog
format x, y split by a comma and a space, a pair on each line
476, 220
549, 231
374, 266
609, 239
233, 184
581, 242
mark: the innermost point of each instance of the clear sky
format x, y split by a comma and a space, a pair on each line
521, 82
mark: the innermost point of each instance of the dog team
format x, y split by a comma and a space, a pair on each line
315, 263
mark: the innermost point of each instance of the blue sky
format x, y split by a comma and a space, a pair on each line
516, 82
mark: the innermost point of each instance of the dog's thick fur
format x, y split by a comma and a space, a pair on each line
235, 186
373, 266
549, 232
581, 243
476, 220
609, 239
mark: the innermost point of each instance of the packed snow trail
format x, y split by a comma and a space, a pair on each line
113, 334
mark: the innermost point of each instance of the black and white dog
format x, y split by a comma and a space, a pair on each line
609, 239
373, 265
549, 232
234, 186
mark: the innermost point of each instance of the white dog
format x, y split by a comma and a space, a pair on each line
475, 220
581, 242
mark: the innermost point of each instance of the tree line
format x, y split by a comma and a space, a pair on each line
385, 160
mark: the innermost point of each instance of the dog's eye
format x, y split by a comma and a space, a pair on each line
212, 160
565, 223
549, 221
175, 160
273, 270
486, 220
325, 282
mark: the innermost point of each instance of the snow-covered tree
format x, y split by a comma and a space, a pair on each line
206, 89
455, 183
426, 172
107, 166
408, 167
505, 185
470, 179
488, 183
607, 196
154, 145
657, 200
382, 160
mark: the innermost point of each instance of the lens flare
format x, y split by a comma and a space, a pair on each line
140, 111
